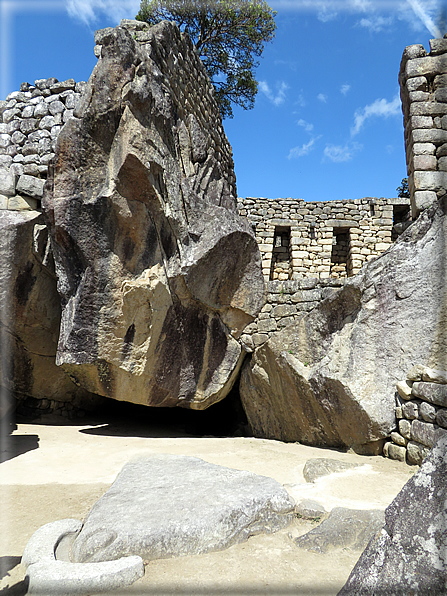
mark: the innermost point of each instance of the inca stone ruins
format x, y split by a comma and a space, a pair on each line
136, 274
307, 250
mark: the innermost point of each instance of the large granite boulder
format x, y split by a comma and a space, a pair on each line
330, 378
157, 273
173, 505
30, 316
408, 556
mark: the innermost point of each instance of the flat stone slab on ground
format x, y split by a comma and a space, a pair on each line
164, 506
344, 528
321, 466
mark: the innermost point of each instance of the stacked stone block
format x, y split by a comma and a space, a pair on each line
421, 415
30, 122
328, 239
286, 302
423, 85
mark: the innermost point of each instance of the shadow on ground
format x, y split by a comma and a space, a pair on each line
15, 445
121, 419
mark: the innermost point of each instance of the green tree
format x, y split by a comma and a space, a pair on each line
403, 190
228, 35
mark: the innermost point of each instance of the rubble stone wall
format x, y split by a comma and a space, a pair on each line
423, 90
421, 415
30, 122
286, 302
327, 239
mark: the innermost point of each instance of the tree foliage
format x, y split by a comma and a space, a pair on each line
228, 35
403, 190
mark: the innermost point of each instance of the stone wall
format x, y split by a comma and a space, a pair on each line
286, 302
421, 415
423, 89
327, 239
30, 122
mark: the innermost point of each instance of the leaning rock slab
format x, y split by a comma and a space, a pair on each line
344, 528
409, 554
166, 506
30, 314
330, 379
158, 275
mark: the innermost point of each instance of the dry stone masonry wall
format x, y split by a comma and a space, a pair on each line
327, 239
421, 415
423, 85
30, 122
286, 302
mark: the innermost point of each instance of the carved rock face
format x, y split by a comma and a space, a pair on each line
157, 273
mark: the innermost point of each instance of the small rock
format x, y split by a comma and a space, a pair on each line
319, 467
398, 439
434, 376
410, 410
404, 389
31, 186
310, 509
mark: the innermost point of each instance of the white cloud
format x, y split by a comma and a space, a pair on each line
280, 96
325, 15
376, 23
89, 11
376, 14
344, 89
426, 12
322, 97
304, 149
341, 153
381, 108
308, 127
300, 101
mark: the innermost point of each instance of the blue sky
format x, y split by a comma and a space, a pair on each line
327, 122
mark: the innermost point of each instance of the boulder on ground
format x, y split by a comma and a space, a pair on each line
330, 378
157, 273
344, 528
319, 467
173, 505
408, 556
30, 316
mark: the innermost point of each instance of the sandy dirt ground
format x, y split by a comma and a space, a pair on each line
53, 469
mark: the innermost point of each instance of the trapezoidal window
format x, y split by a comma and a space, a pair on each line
401, 220
281, 268
340, 261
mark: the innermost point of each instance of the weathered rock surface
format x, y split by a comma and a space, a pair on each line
310, 509
157, 273
164, 506
344, 528
330, 378
321, 466
30, 315
409, 554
